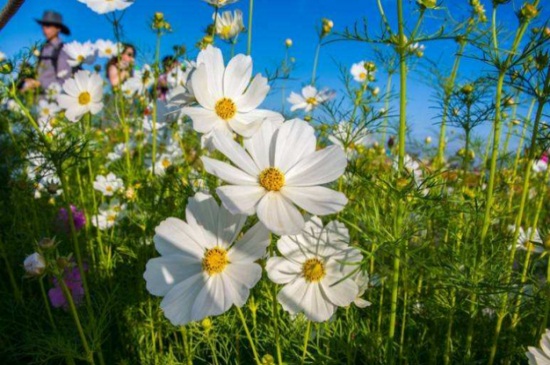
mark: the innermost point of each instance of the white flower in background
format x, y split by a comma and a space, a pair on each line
360, 71
48, 184
109, 214
141, 81
106, 6
79, 53
540, 356
201, 271
416, 48
108, 185
412, 166
47, 110
83, 94
164, 161
362, 281
106, 48
348, 138
310, 98
2, 56
227, 98
315, 270
528, 240
34, 264
180, 76
229, 24
119, 151
281, 170
52, 91
220, 3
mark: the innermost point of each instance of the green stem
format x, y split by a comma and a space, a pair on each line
306, 341
315, 62
250, 13
247, 331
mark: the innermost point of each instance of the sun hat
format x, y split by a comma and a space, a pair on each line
51, 17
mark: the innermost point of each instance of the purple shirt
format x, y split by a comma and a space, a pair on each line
46, 70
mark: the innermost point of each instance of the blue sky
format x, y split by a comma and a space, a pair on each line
273, 22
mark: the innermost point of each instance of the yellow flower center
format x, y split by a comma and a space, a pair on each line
225, 108
312, 101
111, 218
363, 75
84, 98
109, 188
214, 261
108, 51
225, 31
272, 179
80, 58
313, 270
529, 246
166, 163
46, 111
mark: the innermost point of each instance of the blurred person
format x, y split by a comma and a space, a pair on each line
53, 66
169, 63
120, 68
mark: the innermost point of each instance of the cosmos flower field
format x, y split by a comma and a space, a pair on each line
195, 225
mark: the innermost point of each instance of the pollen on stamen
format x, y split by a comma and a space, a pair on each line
215, 260
272, 179
313, 270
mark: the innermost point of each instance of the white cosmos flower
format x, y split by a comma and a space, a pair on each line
362, 71
34, 264
180, 75
309, 99
201, 272
83, 94
540, 356
141, 81
106, 6
79, 53
52, 91
528, 240
315, 270
47, 110
282, 169
227, 98
362, 281
109, 214
229, 24
106, 48
108, 185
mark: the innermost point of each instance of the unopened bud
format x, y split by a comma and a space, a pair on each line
34, 264
288, 43
46, 243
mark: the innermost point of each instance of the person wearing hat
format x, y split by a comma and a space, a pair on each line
53, 65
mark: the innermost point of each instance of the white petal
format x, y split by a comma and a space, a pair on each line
318, 168
255, 94
281, 271
228, 173
316, 199
251, 246
235, 153
242, 277
229, 227
240, 199
211, 300
295, 139
237, 76
279, 215
247, 124
261, 146
177, 304
309, 91
213, 61
204, 120
202, 212
174, 236
202, 93
340, 292
163, 273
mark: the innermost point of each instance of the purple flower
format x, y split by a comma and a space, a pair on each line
79, 219
73, 280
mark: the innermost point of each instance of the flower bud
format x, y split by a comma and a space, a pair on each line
528, 12
46, 243
427, 4
327, 26
206, 324
288, 43
267, 359
428, 140
467, 89
34, 264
